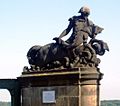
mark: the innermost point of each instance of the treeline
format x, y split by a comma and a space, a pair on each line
103, 103
5, 104
110, 103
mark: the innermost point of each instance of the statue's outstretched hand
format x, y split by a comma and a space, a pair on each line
57, 39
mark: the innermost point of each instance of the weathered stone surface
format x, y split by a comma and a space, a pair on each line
73, 87
64, 95
89, 95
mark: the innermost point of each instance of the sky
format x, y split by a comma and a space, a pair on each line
25, 23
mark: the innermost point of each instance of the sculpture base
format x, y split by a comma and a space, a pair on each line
65, 87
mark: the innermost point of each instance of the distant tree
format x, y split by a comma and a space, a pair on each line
5, 104
110, 103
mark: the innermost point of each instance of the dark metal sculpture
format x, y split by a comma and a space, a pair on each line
74, 52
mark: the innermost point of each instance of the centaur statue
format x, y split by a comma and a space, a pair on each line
76, 51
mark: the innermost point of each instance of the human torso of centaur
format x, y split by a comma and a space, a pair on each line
78, 24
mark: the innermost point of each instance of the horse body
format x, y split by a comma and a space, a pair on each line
42, 55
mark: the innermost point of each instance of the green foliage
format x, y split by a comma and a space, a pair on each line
103, 103
110, 103
5, 104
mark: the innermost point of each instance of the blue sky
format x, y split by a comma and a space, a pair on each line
24, 23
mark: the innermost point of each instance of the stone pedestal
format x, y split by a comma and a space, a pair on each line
65, 87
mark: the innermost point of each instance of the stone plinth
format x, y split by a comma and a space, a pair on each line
65, 87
